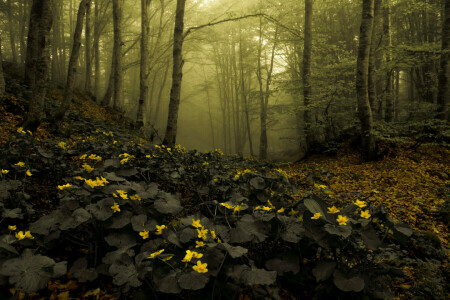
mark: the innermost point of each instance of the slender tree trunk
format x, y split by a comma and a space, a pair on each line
208, 99
362, 66
55, 33
32, 43
97, 49
87, 85
160, 92
372, 78
389, 115
12, 34
22, 36
106, 101
43, 22
306, 74
175, 92
2, 79
396, 97
444, 82
73, 61
117, 53
244, 96
144, 68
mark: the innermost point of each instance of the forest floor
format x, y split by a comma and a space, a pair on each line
411, 181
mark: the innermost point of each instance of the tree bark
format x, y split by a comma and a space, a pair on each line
97, 49
43, 24
12, 34
73, 62
306, 74
144, 70
389, 115
177, 75
443, 85
117, 53
87, 85
372, 79
362, 66
32, 43
244, 96
2, 79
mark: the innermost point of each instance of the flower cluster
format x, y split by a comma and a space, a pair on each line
62, 187
241, 173
125, 158
235, 208
94, 183
122, 194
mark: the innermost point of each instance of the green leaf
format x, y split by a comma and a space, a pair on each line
28, 273
121, 220
192, 281
287, 262
234, 252
102, 209
323, 270
259, 276
125, 274
113, 177
370, 237
120, 240
314, 206
167, 284
258, 183
348, 284
167, 204
341, 230
81, 272
5, 243
12, 213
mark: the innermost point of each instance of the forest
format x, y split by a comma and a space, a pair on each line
224, 149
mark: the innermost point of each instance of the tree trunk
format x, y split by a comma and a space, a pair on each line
372, 78
175, 91
43, 24
97, 49
117, 53
32, 43
2, 79
306, 74
12, 34
87, 85
144, 68
362, 66
443, 86
389, 115
22, 37
73, 61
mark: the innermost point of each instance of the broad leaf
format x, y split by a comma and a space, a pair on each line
192, 281
347, 284
323, 270
167, 204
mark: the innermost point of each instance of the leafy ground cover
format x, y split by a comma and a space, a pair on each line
97, 212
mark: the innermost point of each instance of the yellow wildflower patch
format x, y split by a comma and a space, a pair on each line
159, 229
62, 187
342, 220
201, 268
144, 234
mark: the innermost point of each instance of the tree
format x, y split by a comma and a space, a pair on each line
443, 87
371, 76
117, 53
2, 79
73, 61
177, 75
87, 85
389, 115
12, 34
144, 70
306, 74
362, 68
40, 26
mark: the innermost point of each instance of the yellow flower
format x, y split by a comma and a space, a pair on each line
266, 208
28, 173
154, 254
83, 156
91, 183
258, 207
20, 235
20, 164
216, 179
213, 234
144, 234
333, 210
197, 255
114, 142
5, 171
237, 208
293, 212
122, 194
270, 204
28, 235
199, 244
79, 178
201, 268
12, 227
316, 216
159, 229
61, 187
88, 168
365, 214
20, 130
227, 205
202, 233
135, 197
196, 223
115, 207
219, 241
62, 145
188, 256
360, 204
95, 157
167, 258
342, 220
281, 210
320, 186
